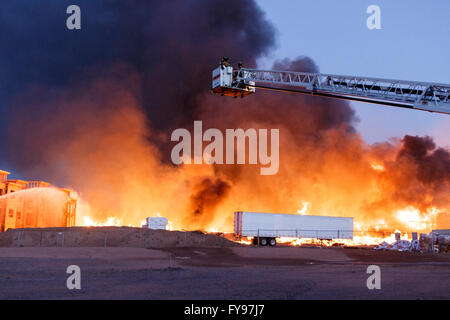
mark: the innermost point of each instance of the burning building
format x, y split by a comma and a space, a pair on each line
33, 204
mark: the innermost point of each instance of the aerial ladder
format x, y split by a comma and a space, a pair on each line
241, 82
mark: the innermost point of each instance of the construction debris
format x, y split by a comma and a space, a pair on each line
400, 245
432, 242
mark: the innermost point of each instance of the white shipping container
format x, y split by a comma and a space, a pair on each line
275, 225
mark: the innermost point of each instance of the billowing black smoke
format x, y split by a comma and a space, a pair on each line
172, 46
206, 196
433, 163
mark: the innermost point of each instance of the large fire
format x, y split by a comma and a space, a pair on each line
364, 235
410, 217
105, 131
122, 177
383, 196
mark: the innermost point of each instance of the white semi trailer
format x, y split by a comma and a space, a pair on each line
266, 227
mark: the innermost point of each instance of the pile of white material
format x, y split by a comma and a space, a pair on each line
400, 245
156, 223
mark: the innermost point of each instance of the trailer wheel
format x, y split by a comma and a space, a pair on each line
263, 241
272, 242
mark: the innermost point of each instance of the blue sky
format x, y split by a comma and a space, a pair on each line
413, 44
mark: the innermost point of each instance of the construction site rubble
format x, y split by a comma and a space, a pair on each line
400, 245
431, 242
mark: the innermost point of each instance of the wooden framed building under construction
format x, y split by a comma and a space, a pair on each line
34, 204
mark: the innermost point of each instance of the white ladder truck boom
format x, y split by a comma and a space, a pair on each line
432, 97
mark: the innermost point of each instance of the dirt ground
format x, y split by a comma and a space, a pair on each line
220, 273
109, 237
